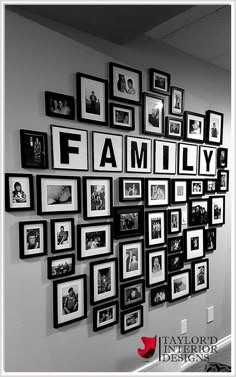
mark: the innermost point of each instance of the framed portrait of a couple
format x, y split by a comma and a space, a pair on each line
131, 259
153, 114
174, 128
98, 197
59, 105
34, 149
158, 295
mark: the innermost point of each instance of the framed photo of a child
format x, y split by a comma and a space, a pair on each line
19, 192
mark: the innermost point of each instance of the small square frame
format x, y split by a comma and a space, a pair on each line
102, 314
128, 319
159, 81
198, 212
132, 294
174, 128
157, 192
131, 189
67, 111
131, 226
122, 117
176, 292
158, 295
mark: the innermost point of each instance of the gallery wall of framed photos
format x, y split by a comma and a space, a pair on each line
107, 253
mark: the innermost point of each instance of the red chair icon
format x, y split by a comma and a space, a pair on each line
149, 347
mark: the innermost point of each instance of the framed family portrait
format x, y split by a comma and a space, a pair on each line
19, 194
174, 128
103, 280
58, 194
59, 105
159, 81
156, 228
92, 99
122, 117
95, 240
200, 275
62, 235
207, 160
194, 127
34, 149
176, 101
97, 197
194, 243
165, 156
216, 210
105, 315
198, 212
210, 186
125, 83
158, 295
210, 239
131, 260
131, 319
214, 127
222, 158
157, 192
153, 115
195, 187
33, 238
175, 262
222, 180
69, 300
174, 220
175, 244
132, 294
131, 189
179, 191
156, 267
61, 266
128, 221
179, 284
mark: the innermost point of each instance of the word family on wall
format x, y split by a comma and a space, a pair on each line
157, 249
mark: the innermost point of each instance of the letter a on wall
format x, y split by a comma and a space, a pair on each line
69, 148
187, 159
107, 152
138, 155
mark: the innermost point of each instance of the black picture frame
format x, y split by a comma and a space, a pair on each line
95, 111
126, 217
187, 159
216, 210
207, 168
158, 295
159, 81
176, 292
78, 284
194, 247
66, 198
62, 239
175, 244
210, 186
222, 158
94, 240
200, 276
157, 192
222, 180
174, 128
107, 271
107, 152
179, 191
32, 239
61, 266
156, 267
176, 103
122, 117
175, 262
118, 81
153, 115
198, 212
194, 127
105, 316
214, 135
66, 110
19, 200
131, 189
130, 268
132, 294
97, 205
165, 157
196, 188
174, 220
210, 239
156, 228
34, 149
138, 155
129, 318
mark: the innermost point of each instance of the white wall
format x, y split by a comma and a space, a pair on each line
38, 59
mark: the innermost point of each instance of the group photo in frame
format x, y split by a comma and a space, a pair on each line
131, 189
19, 194
158, 295
103, 280
122, 117
59, 105
125, 83
175, 262
210, 186
194, 243
132, 294
222, 158
210, 239
97, 197
32, 238
198, 212
153, 115
179, 284
61, 266
131, 258
131, 319
128, 221
62, 235
214, 127
92, 99
222, 180
194, 127
159, 81
165, 156
179, 191
176, 103
196, 187
155, 228
156, 267
200, 275
157, 192
105, 316
58, 194
174, 128
175, 244
174, 220
216, 210
34, 149
95, 240
69, 300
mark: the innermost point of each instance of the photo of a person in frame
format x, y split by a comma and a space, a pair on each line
18, 195
121, 83
153, 118
70, 301
133, 294
33, 239
201, 275
156, 266
177, 102
131, 89
214, 131
92, 102
179, 285
62, 236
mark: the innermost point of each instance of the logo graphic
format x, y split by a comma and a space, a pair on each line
149, 347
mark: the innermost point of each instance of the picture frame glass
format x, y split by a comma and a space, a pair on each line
175, 244
60, 267
174, 128
175, 221
158, 295
198, 212
132, 320
134, 294
180, 191
160, 82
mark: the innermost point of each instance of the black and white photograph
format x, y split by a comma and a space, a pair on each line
194, 127
131, 259
157, 192
210, 186
34, 149
222, 158
61, 266
131, 189
69, 300
128, 221
122, 117
95, 240
62, 235
131, 319
194, 243
165, 156
210, 239
33, 238
188, 158
195, 187
222, 180
176, 101
174, 128
132, 294
92, 95
59, 105
198, 212
159, 81
138, 155
158, 295
175, 244
216, 210
179, 191
174, 221
98, 195
156, 266
153, 115
214, 127
19, 195
156, 228
200, 275
179, 284
175, 262
107, 152
105, 315
207, 160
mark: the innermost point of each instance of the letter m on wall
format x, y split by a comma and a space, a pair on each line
138, 155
